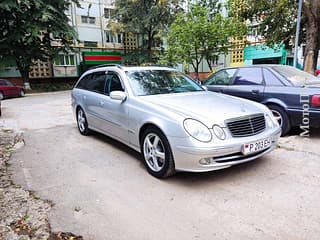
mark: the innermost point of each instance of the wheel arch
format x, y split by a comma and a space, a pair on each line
147, 125
76, 109
275, 101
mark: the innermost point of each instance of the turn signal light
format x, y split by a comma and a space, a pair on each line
315, 101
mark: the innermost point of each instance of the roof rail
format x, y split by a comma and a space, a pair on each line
105, 65
156, 65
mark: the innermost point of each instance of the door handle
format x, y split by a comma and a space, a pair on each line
255, 91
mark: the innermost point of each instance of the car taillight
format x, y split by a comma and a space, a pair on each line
315, 101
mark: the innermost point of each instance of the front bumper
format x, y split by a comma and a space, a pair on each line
224, 154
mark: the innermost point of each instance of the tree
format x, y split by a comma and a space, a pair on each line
148, 19
278, 23
27, 29
198, 35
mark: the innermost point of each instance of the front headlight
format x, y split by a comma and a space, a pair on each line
197, 130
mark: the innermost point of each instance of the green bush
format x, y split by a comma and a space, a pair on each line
50, 87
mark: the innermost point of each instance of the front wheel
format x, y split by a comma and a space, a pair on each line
82, 122
157, 153
282, 117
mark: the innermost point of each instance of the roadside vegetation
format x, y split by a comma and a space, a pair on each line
170, 32
277, 24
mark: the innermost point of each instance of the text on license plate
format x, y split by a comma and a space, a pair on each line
256, 146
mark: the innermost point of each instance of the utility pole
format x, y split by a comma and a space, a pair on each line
295, 56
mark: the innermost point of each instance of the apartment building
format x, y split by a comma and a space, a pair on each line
98, 43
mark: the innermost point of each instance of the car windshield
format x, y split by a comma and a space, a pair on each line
151, 82
296, 76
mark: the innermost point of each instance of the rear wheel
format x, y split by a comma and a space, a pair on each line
282, 117
157, 153
1, 95
82, 122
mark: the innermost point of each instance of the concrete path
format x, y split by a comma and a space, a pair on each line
102, 191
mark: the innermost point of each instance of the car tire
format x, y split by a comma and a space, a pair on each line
82, 122
21, 93
157, 154
282, 117
1, 95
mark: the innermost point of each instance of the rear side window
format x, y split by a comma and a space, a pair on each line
97, 82
3, 83
8, 83
222, 77
270, 79
94, 82
249, 76
82, 84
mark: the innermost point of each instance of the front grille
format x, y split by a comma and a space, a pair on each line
247, 125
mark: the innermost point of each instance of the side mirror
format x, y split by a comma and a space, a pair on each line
118, 95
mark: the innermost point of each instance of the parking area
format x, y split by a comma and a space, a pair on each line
101, 190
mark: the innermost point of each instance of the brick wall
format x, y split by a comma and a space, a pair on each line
16, 80
202, 75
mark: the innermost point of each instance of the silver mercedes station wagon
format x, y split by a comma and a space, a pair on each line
172, 121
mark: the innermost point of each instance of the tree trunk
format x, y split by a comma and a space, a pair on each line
312, 50
24, 71
209, 62
311, 10
150, 42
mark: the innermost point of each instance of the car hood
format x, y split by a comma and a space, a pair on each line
208, 107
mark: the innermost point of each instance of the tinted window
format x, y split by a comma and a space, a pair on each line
149, 82
97, 82
3, 83
296, 76
113, 84
248, 76
222, 77
84, 82
9, 83
270, 79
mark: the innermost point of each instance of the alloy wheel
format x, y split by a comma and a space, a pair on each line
277, 116
154, 152
81, 120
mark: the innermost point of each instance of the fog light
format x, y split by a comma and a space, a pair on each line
205, 161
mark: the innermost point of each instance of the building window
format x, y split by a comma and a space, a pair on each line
108, 13
64, 60
113, 38
87, 19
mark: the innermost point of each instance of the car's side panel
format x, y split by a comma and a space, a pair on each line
5, 90
251, 92
114, 115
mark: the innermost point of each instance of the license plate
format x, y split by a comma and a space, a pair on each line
257, 146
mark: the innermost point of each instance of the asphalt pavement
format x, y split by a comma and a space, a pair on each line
101, 190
